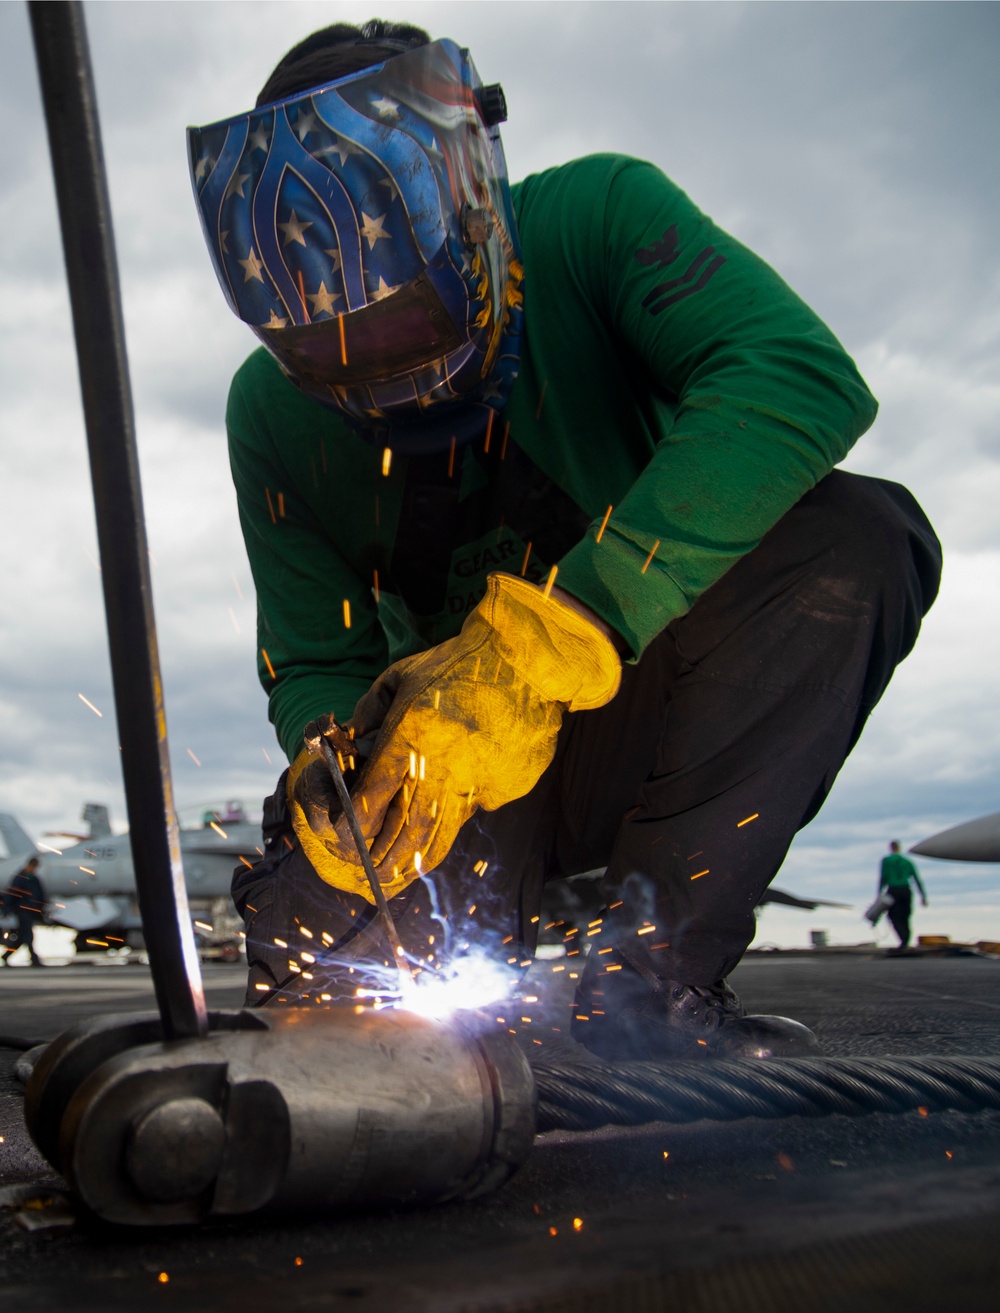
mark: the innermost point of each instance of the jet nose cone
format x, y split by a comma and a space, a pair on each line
973, 841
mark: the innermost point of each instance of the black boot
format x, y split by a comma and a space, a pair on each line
620, 1015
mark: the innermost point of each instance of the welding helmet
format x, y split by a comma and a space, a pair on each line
365, 231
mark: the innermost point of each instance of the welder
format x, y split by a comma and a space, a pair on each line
537, 485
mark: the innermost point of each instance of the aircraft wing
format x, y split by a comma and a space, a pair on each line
791, 900
972, 841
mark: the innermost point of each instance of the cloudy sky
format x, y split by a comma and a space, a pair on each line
853, 146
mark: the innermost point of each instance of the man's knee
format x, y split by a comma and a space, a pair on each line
874, 531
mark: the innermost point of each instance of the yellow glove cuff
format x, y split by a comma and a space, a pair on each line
555, 649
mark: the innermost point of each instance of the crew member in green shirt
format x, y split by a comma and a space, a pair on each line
896, 875
537, 485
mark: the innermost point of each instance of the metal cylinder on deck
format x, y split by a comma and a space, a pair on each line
295, 1110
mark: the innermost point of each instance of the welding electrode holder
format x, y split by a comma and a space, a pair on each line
280, 1110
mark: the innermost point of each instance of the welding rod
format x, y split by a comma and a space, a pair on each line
388, 925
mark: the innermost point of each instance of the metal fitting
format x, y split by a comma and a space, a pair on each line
273, 1110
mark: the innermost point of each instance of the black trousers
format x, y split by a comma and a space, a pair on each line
900, 911
688, 787
24, 934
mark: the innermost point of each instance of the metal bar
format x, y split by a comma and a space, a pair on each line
88, 242
385, 916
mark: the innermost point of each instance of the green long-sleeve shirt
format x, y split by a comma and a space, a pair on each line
897, 872
665, 371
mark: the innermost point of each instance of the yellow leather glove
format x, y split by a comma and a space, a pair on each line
470, 723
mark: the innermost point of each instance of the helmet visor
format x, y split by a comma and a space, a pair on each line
395, 335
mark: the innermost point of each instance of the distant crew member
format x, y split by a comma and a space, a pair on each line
26, 898
897, 872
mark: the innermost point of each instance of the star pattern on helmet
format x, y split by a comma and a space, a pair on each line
201, 168
304, 124
276, 321
251, 267
235, 187
383, 290
323, 301
335, 257
340, 147
386, 108
259, 139
294, 230
373, 228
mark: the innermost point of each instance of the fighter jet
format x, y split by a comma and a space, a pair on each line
972, 841
90, 884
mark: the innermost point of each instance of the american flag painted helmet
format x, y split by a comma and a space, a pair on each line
364, 230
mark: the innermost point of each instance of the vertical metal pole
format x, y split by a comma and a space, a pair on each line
88, 242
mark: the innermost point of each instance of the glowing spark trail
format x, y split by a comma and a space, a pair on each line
87, 703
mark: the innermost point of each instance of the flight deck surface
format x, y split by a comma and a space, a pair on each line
862, 1213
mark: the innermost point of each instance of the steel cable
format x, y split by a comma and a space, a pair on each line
582, 1096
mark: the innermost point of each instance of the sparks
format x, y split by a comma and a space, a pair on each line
547, 590
87, 703
218, 829
604, 524
649, 558
267, 662
386, 461
748, 820
347, 614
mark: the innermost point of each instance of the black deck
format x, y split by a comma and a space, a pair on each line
868, 1213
